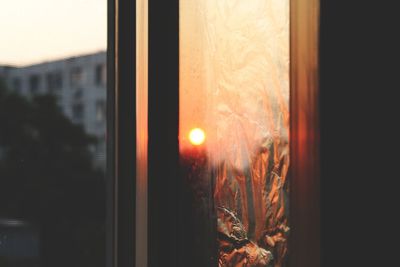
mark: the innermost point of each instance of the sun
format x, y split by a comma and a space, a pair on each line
197, 136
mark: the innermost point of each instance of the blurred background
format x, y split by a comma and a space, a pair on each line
52, 132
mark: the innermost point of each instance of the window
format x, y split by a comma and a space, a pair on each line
34, 83
224, 67
78, 94
76, 76
178, 195
100, 75
54, 81
16, 85
78, 112
100, 110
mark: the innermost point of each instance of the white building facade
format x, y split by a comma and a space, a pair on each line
78, 83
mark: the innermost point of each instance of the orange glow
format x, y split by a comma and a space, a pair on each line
197, 136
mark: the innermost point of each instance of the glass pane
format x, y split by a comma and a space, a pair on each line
52, 133
234, 127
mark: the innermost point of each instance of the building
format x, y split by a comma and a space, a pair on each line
78, 83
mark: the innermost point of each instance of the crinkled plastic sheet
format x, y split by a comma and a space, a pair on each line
235, 84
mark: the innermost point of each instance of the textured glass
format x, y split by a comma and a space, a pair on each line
234, 85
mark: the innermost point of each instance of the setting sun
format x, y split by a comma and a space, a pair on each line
197, 136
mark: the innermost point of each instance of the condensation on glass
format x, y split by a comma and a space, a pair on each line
234, 85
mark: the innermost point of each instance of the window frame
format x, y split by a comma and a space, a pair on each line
163, 151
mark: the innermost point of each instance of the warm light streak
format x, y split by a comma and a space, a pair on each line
141, 223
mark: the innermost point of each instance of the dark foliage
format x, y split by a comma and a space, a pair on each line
47, 179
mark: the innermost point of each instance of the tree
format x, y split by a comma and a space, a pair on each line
47, 178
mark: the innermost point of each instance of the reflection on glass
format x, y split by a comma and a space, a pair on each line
141, 132
234, 85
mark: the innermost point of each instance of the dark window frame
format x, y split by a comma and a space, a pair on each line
121, 134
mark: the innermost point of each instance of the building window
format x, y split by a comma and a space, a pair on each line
34, 82
54, 81
16, 85
100, 75
77, 112
78, 94
76, 77
100, 111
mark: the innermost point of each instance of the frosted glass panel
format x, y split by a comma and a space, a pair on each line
234, 91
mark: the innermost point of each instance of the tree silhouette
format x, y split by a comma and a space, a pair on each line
47, 178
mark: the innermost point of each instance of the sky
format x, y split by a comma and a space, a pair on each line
33, 31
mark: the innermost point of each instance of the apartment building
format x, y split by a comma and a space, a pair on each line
78, 83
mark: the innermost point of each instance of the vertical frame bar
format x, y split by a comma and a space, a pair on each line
110, 136
304, 127
121, 132
164, 183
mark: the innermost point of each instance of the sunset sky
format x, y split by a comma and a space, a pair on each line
32, 31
